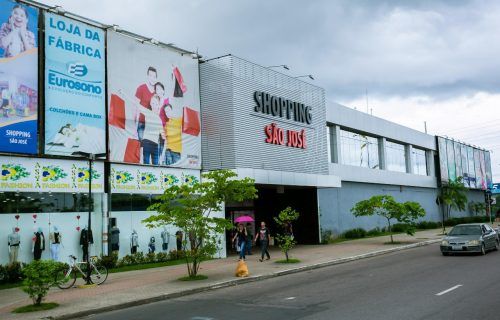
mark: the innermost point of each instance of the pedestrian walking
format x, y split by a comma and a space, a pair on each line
264, 239
249, 239
241, 238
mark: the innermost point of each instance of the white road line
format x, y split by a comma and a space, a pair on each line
448, 290
290, 298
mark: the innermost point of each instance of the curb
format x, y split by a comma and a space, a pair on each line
230, 283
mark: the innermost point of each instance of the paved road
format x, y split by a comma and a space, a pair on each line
413, 284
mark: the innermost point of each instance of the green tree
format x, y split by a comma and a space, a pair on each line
477, 207
286, 240
453, 197
189, 207
385, 206
39, 276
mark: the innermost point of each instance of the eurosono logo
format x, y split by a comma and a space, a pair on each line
72, 79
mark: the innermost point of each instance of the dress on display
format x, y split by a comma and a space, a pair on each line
14, 240
39, 245
86, 239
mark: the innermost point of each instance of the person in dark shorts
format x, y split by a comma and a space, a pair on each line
264, 238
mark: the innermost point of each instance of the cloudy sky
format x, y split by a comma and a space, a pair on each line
415, 61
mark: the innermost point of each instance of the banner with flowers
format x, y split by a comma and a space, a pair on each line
49, 175
148, 179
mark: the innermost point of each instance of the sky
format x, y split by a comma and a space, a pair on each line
410, 62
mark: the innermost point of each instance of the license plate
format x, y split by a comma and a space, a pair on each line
456, 247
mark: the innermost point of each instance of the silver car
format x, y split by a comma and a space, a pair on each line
470, 237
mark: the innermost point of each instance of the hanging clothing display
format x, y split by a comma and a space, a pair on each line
38, 245
55, 243
86, 239
114, 238
14, 240
152, 246
134, 242
178, 238
165, 236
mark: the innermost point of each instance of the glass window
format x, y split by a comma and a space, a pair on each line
36, 202
359, 150
132, 202
418, 161
396, 156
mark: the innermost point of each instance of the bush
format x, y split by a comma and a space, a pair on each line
150, 257
374, 232
162, 257
110, 261
399, 227
355, 233
176, 255
14, 272
327, 236
38, 278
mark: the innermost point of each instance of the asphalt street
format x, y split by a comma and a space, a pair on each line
412, 284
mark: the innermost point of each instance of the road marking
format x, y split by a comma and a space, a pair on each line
290, 298
448, 290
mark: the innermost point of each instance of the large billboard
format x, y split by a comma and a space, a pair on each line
154, 104
74, 87
18, 77
461, 160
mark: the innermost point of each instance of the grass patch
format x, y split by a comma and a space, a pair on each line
10, 285
34, 308
289, 261
195, 278
395, 242
342, 239
147, 266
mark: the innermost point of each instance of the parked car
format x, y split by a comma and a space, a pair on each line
470, 237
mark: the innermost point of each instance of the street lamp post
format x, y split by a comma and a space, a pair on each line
90, 157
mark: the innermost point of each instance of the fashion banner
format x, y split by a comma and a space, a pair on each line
148, 179
18, 77
44, 175
489, 175
74, 87
154, 104
452, 174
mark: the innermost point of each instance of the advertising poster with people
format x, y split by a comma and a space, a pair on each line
18, 77
74, 87
154, 104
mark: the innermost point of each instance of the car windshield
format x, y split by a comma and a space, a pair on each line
466, 231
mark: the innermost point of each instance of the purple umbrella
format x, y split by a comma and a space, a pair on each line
244, 219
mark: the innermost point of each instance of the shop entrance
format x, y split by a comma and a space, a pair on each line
273, 199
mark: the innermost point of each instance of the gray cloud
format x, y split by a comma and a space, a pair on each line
392, 48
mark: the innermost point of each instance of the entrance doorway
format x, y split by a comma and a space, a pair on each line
273, 199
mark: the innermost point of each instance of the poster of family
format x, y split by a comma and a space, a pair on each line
154, 106
18, 77
75, 116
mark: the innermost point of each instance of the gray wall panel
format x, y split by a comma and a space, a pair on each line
247, 148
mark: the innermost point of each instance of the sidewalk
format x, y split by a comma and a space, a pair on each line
142, 286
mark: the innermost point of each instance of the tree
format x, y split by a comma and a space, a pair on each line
477, 207
388, 208
190, 208
286, 240
453, 197
38, 278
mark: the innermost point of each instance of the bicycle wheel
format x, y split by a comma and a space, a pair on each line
99, 274
65, 278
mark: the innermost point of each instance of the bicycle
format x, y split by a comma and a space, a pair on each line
66, 278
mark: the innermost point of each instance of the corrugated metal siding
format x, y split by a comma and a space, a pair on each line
246, 146
217, 115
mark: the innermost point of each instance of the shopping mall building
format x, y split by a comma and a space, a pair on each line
169, 116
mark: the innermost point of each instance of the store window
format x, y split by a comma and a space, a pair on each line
359, 150
39, 202
419, 161
133, 202
395, 156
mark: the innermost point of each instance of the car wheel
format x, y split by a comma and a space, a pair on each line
483, 250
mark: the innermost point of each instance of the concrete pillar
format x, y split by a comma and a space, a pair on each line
429, 157
382, 154
408, 158
335, 146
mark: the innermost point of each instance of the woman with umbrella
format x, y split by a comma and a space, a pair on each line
241, 238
